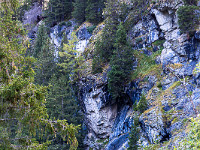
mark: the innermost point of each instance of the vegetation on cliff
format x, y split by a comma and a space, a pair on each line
40, 84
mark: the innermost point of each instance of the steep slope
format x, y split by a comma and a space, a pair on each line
164, 60
169, 85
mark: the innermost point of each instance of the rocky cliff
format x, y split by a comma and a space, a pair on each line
169, 84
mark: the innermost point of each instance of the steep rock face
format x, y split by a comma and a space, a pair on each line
57, 33
173, 94
108, 121
172, 98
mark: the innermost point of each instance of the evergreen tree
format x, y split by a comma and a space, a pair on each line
22, 110
43, 51
121, 64
58, 10
94, 11
72, 60
105, 44
134, 135
79, 10
188, 20
62, 102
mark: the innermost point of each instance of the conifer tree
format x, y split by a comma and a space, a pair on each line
62, 102
134, 135
121, 64
58, 10
44, 52
94, 11
72, 59
22, 110
79, 10
105, 43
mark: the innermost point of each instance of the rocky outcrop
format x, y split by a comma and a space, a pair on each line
172, 98
173, 93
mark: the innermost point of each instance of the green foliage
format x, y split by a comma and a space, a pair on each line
44, 52
61, 104
96, 64
76, 27
134, 135
64, 95
146, 65
142, 105
190, 2
79, 10
91, 29
137, 13
63, 23
121, 64
72, 60
187, 18
58, 10
135, 106
90, 10
104, 45
23, 112
69, 24
196, 69
94, 11
192, 140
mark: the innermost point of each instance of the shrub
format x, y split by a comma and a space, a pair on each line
91, 29
63, 23
69, 24
192, 140
134, 135
142, 105
187, 18
76, 27
190, 2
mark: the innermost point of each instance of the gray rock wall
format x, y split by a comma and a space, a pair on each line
109, 122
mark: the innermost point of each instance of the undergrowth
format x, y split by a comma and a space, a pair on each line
146, 65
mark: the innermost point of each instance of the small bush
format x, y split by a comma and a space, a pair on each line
134, 135
63, 23
142, 105
159, 85
146, 65
190, 2
91, 29
76, 27
69, 24
187, 18
138, 40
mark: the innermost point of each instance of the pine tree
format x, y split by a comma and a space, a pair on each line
134, 135
121, 64
105, 43
22, 110
62, 102
94, 11
58, 10
188, 20
44, 52
72, 59
79, 10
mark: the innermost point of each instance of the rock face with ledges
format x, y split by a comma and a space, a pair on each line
173, 94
